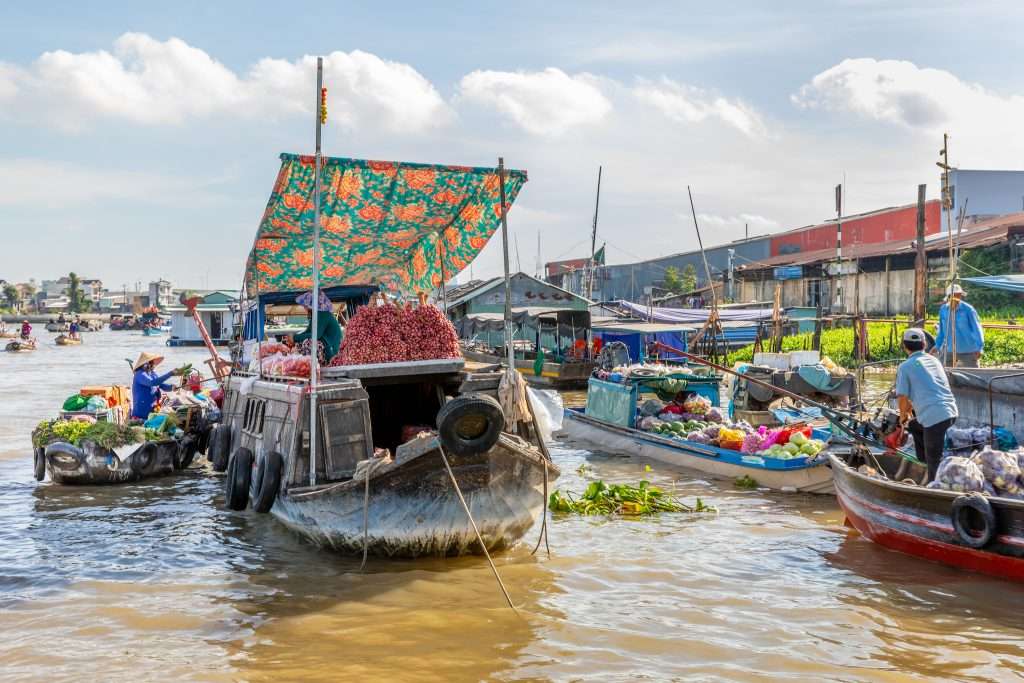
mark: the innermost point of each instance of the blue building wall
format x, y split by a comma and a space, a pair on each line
627, 281
987, 193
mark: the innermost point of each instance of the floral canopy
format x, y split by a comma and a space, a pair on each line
404, 226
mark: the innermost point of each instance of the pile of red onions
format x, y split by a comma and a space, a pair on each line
391, 333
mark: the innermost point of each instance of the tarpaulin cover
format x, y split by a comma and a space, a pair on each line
401, 225
611, 402
693, 315
1011, 283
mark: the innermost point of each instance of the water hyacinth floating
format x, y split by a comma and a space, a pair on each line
622, 499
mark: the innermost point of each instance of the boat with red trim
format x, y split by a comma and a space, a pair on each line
883, 500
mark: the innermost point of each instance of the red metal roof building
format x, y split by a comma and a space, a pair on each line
875, 227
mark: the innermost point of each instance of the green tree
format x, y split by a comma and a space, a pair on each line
689, 278
77, 302
29, 292
672, 281
11, 294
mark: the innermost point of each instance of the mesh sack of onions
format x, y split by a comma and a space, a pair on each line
392, 334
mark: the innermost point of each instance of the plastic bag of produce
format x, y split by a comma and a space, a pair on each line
652, 406
959, 474
714, 415
698, 405
75, 403
649, 423
730, 438
999, 468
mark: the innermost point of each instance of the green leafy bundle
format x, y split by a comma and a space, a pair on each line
622, 499
104, 434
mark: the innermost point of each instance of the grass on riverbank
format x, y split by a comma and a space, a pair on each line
1001, 346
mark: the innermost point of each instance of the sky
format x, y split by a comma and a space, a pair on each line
139, 142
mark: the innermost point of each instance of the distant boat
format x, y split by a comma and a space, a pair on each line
21, 345
64, 340
152, 331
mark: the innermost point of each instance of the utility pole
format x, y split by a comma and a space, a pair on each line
593, 238
920, 263
730, 295
839, 248
947, 199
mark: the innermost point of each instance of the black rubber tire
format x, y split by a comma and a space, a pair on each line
39, 463
203, 439
470, 424
143, 458
186, 452
220, 447
266, 481
962, 506
236, 484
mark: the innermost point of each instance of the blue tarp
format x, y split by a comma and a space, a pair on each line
1010, 283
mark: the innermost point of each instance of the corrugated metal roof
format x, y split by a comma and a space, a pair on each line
982, 234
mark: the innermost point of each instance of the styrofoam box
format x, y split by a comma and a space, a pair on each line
798, 358
779, 361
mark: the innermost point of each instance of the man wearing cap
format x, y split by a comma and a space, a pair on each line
146, 384
927, 405
970, 338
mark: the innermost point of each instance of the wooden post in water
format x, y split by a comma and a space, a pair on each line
920, 263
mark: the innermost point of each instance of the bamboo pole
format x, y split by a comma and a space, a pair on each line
314, 361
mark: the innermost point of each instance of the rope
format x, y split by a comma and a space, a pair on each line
479, 538
374, 464
544, 520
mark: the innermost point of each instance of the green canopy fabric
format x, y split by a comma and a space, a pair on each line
400, 225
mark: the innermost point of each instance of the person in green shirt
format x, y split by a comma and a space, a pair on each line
328, 332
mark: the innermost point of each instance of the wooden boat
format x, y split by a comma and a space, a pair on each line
973, 532
805, 475
152, 331
57, 327
21, 345
91, 464
412, 506
65, 340
568, 374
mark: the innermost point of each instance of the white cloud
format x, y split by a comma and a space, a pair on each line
985, 124
152, 82
688, 104
548, 102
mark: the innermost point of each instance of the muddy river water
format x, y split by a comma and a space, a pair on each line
156, 582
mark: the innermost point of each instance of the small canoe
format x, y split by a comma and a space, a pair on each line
20, 346
971, 532
64, 340
57, 327
152, 331
806, 475
91, 464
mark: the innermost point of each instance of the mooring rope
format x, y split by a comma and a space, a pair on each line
544, 520
374, 463
479, 538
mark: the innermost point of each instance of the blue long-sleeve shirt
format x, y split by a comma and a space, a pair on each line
970, 338
144, 391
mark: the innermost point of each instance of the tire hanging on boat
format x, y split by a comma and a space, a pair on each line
142, 459
39, 463
186, 452
470, 424
236, 484
220, 447
266, 481
961, 513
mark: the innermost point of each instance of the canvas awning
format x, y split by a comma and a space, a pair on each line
401, 225
1009, 283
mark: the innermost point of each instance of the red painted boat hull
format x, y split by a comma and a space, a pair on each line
916, 521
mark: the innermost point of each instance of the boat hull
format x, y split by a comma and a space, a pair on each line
816, 478
917, 521
19, 347
67, 341
90, 465
413, 508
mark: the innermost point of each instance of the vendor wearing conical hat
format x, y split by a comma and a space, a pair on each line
328, 331
147, 384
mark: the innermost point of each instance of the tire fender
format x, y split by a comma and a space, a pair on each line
470, 424
968, 535
267, 481
39, 463
220, 447
66, 449
239, 477
143, 458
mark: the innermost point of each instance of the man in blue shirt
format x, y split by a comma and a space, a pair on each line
146, 384
927, 405
970, 338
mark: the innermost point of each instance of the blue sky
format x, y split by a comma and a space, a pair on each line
138, 142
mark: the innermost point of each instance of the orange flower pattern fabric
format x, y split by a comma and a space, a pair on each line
395, 224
